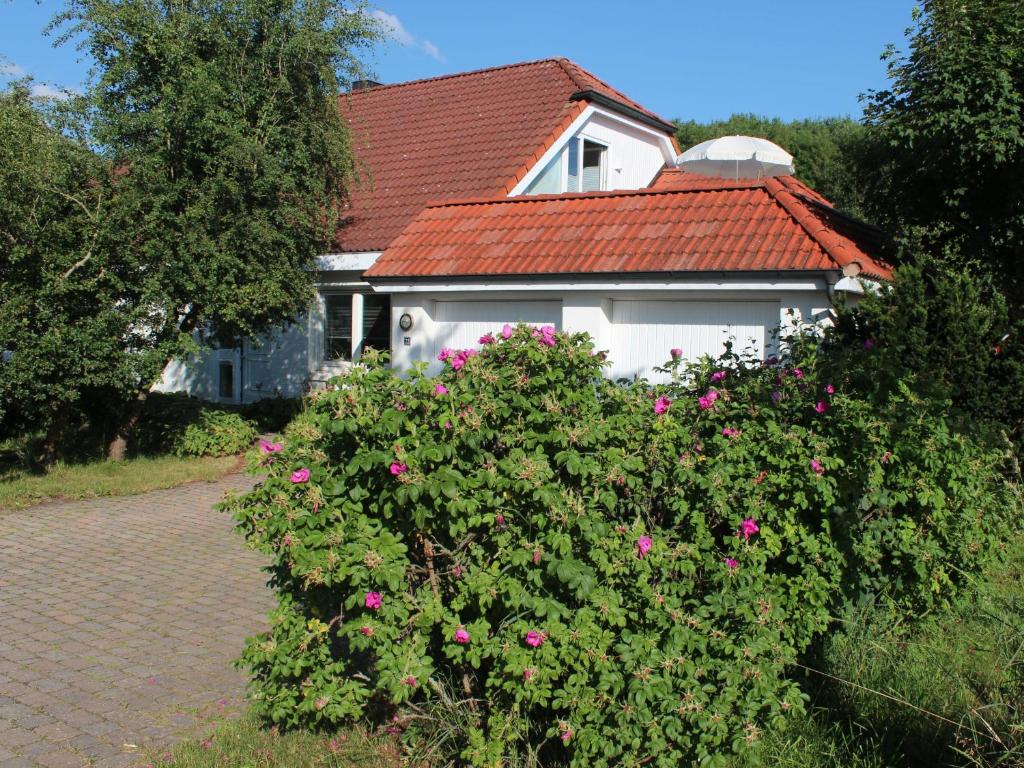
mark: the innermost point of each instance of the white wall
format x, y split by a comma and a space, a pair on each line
634, 156
283, 361
276, 364
438, 321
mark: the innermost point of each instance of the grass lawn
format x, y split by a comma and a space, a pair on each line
19, 489
243, 744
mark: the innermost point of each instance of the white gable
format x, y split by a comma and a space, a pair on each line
633, 154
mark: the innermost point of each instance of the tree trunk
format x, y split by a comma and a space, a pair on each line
119, 445
53, 433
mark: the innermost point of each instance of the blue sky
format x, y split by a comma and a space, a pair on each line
688, 59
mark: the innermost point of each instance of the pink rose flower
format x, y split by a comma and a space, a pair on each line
300, 476
373, 601
534, 639
821, 406
676, 353
320, 703
440, 389
817, 466
661, 405
718, 376
398, 468
445, 355
545, 335
528, 673
461, 636
829, 389
487, 338
886, 457
410, 681
537, 556
748, 528
458, 362
731, 564
707, 400
499, 520
565, 736
266, 447
643, 546
798, 373
730, 432
368, 631
506, 331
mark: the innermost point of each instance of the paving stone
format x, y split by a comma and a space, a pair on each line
121, 618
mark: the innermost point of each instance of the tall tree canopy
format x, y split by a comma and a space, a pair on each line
825, 151
222, 120
946, 161
67, 315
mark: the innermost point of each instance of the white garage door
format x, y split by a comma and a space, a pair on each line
460, 324
643, 332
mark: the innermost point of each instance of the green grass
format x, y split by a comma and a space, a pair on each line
20, 488
245, 744
943, 690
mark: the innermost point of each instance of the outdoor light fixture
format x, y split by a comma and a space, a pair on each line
405, 321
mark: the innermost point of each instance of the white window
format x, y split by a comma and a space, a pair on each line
585, 166
338, 326
353, 322
592, 170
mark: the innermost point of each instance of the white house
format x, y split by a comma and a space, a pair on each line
538, 193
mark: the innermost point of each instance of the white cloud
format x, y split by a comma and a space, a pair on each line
394, 29
44, 91
10, 69
431, 50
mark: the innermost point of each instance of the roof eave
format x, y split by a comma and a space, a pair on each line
596, 97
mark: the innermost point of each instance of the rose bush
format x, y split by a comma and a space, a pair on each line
597, 573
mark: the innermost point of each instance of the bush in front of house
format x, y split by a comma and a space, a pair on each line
518, 557
216, 433
186, 426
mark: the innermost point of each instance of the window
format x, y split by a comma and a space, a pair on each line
226, 380
593, 167
573, 177
376, 321
338, 326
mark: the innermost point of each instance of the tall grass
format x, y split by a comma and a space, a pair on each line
941, 690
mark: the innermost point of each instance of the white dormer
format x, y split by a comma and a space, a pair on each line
600, 151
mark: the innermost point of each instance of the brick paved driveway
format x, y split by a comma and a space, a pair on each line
119, 620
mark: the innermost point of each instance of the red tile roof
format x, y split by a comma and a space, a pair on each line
684, 223
466, 135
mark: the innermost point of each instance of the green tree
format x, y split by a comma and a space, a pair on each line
946, 160
825, 151
223, 120
65, 298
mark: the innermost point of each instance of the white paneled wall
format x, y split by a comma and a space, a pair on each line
643, 331
460, 324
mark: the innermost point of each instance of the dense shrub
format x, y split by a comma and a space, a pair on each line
592, 572
948, 331
217, 433
177, 423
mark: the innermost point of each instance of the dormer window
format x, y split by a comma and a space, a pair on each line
585, 166
592, 170
581, 166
